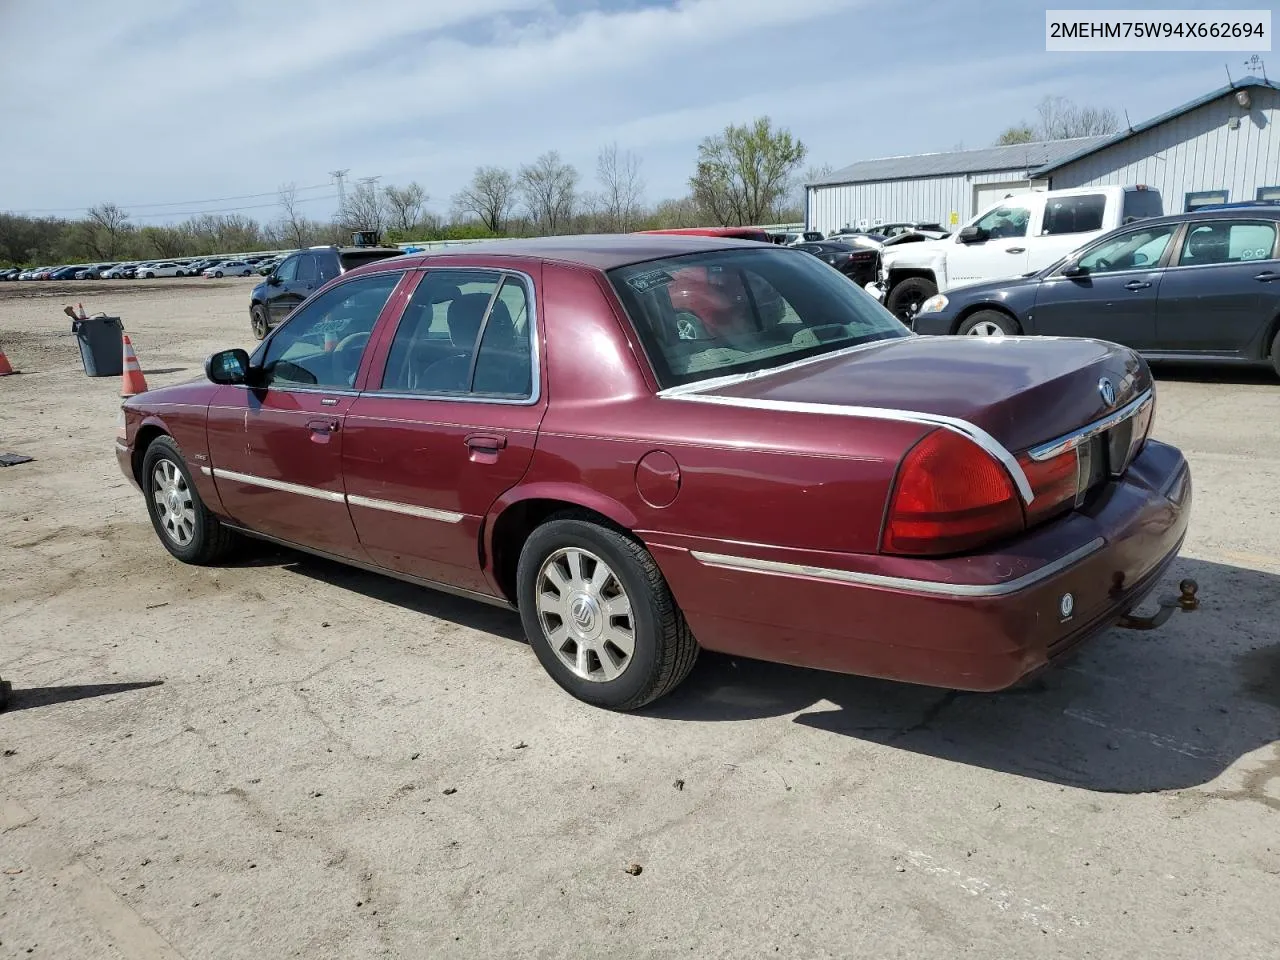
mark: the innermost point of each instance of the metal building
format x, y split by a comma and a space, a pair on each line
1222, 147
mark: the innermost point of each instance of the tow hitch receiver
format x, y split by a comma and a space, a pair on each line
1185, 601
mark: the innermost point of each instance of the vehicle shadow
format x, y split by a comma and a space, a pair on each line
1132, 712
434, 603
155, 371
31, 697
1212, 373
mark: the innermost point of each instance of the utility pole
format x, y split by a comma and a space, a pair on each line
340, 176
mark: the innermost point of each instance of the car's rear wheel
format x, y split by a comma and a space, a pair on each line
908, 296
988, 323
1275, 353
258, 320
182, 522
599, 614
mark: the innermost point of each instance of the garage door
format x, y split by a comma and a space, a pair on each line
989, 194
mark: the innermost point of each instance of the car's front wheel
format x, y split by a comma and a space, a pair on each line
988, 323
258, 320
218, 274
904, 300
1275, 353
182, 522
599, 614
149, 275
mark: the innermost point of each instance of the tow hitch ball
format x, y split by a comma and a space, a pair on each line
1186, 601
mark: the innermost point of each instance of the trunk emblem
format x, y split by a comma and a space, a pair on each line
1066, 606
1107, 390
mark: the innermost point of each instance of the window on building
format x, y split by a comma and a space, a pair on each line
1073, 214
1205, 198
1269, 194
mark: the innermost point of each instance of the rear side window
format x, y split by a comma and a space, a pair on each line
1225, 241
1073, 214
1140, 204
358, 258
464, 332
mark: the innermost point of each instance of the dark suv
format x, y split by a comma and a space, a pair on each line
299, 275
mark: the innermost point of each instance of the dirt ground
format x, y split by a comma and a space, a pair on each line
288, 758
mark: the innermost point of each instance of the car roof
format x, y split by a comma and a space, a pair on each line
1261, 210
600, 251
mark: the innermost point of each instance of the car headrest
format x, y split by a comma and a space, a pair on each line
465, 314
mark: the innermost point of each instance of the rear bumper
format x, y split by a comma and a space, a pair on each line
936, 622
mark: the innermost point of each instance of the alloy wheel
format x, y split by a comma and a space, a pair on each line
585, 614
175, 507
985, 328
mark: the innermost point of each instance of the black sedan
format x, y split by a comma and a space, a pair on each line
854, 255
1193, 286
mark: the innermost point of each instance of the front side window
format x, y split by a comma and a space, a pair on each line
1227, 241
306, 269
287, 270
1073, 214
464, 332
322, 342
1004, 221
736, 311
1129, 251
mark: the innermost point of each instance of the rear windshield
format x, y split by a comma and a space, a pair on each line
359, 258
737, 311
1139, 204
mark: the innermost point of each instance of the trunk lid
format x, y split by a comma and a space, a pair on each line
1024, 391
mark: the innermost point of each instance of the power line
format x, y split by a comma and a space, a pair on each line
168, 203
197, 213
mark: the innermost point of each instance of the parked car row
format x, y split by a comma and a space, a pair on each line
222, 266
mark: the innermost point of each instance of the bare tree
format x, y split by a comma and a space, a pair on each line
621, 188
489, 198
107, 225
293, 226
405, 206
365, 209
547, 187
1060, 119
744, 173
800, 190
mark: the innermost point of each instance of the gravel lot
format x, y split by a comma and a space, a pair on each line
289, 758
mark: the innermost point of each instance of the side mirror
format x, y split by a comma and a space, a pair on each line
971, 234
228, 366
273, 280
1073, 269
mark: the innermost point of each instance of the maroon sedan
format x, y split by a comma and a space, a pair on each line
654, 444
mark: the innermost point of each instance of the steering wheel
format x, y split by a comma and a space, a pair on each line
1102, 264
349, 343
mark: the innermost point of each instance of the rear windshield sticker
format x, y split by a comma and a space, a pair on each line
644, 282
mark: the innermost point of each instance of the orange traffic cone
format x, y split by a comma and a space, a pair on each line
5, 368
132, 382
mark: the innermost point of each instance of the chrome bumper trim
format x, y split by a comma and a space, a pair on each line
932, 587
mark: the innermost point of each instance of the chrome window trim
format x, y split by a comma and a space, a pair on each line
315, 493
409, 510
931, 587
535, 345
965, 429
1047, 451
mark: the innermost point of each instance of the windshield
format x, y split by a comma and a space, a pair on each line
736, 311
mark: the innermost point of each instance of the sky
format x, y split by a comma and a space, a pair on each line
169, 108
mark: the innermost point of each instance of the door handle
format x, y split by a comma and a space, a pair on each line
487, 442
1015, 249
1137, 285
323, 425
1266, 276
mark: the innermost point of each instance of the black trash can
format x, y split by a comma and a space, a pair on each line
101, 345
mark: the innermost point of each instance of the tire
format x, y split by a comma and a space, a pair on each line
258, 321
182, 522
988, 323
218, 274
1275, 353
905, 299
178, 274
663, 648
148, 275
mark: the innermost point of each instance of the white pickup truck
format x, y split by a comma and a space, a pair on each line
1020, 234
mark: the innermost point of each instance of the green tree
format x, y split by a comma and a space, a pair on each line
744, 173
1018, 133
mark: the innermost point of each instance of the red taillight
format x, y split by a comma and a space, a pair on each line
1054, 484
951, 495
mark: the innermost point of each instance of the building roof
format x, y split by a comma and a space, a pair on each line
1084, 150
1018, 156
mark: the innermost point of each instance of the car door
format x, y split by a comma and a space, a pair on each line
998, 250
1224, 290
1114, 295
447, 424
276, 447
280, 296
